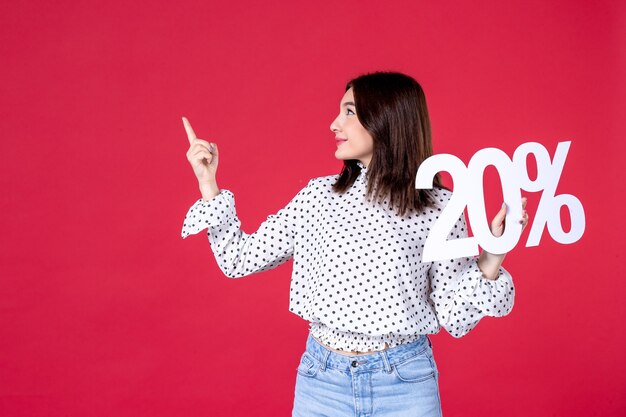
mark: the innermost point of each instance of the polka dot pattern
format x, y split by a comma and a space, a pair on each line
357, 273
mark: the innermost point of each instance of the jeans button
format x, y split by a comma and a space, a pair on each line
354, 364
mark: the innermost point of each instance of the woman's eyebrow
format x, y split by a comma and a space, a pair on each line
348, 103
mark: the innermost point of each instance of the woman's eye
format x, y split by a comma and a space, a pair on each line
350, 110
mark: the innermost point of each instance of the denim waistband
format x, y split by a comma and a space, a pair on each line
368, 361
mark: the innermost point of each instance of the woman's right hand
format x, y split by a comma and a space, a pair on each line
202, 155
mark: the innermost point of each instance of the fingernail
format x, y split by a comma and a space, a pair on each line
503, 205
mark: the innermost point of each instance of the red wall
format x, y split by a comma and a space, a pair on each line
106, 311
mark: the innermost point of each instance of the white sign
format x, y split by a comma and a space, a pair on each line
468, 191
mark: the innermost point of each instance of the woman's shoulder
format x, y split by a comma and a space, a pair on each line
441, 195
323, 180
443, 191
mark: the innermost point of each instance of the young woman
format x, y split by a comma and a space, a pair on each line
356, 239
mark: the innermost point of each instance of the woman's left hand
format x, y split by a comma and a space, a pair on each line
489, 263
497, 224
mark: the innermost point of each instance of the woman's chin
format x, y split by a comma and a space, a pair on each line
339, 154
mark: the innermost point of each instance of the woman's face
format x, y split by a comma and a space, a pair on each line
353, 141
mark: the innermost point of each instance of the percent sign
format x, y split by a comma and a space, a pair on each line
468, 191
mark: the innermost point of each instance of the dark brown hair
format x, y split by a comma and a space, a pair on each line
391, 106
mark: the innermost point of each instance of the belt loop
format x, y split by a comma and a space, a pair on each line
429, 342
386, 365
325, 360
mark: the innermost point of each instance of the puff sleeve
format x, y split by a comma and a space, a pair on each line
238, 253
462, 295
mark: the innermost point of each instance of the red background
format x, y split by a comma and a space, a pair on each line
106, 311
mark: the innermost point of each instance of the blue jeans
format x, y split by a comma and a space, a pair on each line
399, 381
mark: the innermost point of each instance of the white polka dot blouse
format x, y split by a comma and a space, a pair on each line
357, 273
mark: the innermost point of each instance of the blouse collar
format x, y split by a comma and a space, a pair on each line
363, 173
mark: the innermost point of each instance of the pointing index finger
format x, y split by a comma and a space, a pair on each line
191, 135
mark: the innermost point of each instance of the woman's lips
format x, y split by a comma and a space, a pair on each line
340, 141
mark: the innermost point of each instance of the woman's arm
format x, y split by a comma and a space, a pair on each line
490, 263
238, 253
462, 294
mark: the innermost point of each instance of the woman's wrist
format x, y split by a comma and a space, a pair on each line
209, 191
489, 264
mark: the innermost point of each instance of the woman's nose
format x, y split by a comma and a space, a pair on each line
334, 126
